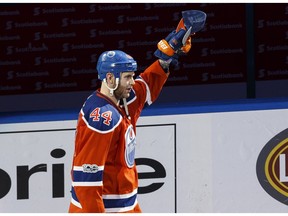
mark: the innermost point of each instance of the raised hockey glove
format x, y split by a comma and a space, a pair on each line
175, 44
178, 42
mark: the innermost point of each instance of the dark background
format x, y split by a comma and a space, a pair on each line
49, 51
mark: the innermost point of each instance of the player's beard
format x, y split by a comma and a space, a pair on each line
121, 92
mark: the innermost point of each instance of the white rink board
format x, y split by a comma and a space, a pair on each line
30, 144
209, 160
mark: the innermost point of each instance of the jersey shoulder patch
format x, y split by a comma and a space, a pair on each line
100, 115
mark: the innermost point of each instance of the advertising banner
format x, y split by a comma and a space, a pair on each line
50, 48
36, 160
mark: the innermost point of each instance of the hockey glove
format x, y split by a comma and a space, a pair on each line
178, 42
175, 44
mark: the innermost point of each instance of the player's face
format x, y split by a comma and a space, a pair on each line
125, 85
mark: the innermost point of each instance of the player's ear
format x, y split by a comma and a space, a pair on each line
110, 78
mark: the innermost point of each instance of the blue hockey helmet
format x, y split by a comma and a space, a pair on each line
115, 61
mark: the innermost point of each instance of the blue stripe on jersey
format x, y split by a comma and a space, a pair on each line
80, 176
119, 203
73, 194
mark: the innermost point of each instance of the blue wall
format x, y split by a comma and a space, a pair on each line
154, 109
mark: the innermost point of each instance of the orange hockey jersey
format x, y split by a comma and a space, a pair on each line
104, 175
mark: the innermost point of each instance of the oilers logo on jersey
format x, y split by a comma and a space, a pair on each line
130, 143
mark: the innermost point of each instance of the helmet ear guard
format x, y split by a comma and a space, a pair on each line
115, 61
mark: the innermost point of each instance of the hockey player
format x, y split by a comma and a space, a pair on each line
104, 175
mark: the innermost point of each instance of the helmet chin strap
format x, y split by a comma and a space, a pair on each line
111, 90
126, 108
